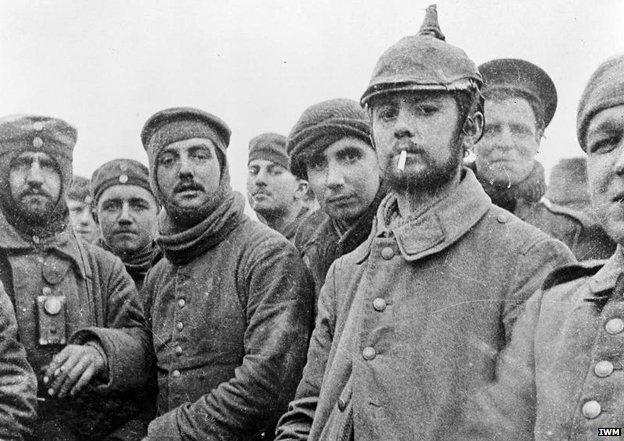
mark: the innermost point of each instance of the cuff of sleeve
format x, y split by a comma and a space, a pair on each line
105, 339
164, 427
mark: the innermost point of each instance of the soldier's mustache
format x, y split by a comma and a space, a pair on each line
407, 145
188, 185
35, 191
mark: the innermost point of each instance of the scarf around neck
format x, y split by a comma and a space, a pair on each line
531, 189
180, 247
137, 264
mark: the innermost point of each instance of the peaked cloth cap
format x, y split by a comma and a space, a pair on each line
523, 76
422, 62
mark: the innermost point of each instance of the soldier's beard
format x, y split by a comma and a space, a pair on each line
34, 212
430, 178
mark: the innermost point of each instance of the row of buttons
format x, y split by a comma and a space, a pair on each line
591, 409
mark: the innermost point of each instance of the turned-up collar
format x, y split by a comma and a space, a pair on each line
440, 226
65, 243
606, 277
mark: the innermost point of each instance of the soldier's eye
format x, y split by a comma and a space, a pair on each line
166, 160
388, 112
604, 145
316, 163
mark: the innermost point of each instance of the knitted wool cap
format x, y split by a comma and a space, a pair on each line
604, 89
270, 147
79, 190
321, 125
119, 172
521, 75
34, 133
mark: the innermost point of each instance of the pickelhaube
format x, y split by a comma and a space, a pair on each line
421, 62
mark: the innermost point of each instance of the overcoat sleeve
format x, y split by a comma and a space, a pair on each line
296, 423
279, 305
535, 263
18, 384
124, 335
506, 409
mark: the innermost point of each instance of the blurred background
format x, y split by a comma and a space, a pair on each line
106, 66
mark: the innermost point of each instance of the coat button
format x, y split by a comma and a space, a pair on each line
181, 303
342, 405
614, 326
176, 373
180, 326
603, 368
36, 239
37, 142
46, 291
591, 409
379, 304
178, 350
368, 353
387, 253
502, 218
38, 126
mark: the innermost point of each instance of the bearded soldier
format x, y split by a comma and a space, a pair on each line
230, 303
77, 309
414, 318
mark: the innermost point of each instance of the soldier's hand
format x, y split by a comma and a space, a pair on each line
72, 369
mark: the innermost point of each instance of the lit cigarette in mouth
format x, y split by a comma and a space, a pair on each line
402, 158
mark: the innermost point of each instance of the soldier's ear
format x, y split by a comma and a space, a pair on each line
473, 128
302, 189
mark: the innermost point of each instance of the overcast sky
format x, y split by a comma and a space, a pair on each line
106, 66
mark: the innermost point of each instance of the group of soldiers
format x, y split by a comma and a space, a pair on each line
412, 277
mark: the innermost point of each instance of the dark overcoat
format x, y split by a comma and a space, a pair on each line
18, 384
102, 304
230, 333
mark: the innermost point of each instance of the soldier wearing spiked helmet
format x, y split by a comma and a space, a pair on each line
396, 347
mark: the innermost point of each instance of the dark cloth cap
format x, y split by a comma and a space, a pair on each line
22, 133
605, 89
119, 172
79, 190
270, 147
523, 76
321, 125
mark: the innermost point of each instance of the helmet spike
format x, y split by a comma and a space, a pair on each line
430, 24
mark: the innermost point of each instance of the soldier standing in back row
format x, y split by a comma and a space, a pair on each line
274, 193
414, 318
78, 312
520, 102
126, 212
561, 376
